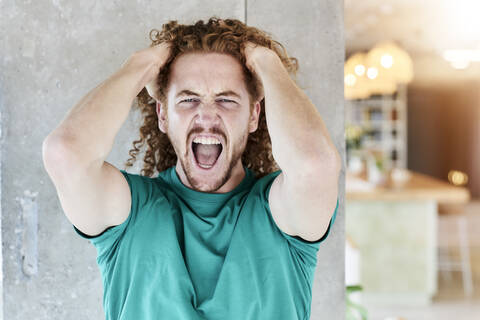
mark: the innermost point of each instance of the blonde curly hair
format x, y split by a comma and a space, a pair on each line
227, 36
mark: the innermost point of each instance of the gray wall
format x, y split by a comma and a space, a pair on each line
53, 53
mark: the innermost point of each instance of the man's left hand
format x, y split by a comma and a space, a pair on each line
254, 54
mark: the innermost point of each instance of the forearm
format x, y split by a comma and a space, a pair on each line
300, 139
88, 130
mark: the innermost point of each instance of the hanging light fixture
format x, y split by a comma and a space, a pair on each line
355, 81
379, 83
391, 61
378, 71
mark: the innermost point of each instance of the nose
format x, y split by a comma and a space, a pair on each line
207, 114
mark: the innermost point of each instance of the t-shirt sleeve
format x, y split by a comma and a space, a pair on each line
306, 249
107, 241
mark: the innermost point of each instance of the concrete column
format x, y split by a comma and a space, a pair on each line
312, 31
53, 53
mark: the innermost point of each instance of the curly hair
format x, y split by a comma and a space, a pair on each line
227, 36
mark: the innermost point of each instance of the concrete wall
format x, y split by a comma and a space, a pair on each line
53, 53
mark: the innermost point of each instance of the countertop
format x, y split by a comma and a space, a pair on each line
417, 187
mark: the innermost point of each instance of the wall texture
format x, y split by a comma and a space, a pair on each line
53, 53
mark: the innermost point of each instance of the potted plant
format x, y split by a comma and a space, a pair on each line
354, 311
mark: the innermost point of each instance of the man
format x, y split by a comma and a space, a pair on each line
210, 237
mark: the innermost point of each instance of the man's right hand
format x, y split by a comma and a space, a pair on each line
151, 59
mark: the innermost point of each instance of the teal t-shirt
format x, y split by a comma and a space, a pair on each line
186, 254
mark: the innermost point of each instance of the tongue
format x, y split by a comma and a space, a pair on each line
207, 154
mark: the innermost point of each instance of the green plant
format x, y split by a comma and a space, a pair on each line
379, 163
353, 136
354, 311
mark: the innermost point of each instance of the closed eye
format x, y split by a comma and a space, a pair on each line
188, 100
195, 100
226, 100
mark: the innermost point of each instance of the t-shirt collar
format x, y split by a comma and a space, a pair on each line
207, 196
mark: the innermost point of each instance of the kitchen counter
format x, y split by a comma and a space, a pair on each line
418, 187
394, 227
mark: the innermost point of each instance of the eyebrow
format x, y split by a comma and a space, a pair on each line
187, 92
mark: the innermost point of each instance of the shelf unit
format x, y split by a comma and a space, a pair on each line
383, 119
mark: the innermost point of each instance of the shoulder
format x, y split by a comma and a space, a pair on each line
145, 188
262, 185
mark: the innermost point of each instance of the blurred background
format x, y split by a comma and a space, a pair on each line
412, 128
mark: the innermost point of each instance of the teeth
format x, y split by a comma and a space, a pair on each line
205, 140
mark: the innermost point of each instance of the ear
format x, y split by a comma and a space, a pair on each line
162, 119
253, 124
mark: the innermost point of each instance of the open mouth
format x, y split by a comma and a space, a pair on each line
206, 155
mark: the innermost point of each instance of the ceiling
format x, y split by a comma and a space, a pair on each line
425, 29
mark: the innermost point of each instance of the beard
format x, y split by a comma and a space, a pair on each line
223, 172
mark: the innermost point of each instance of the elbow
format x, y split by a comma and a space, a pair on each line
53, 154
59, 156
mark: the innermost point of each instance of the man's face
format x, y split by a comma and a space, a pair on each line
207, 97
